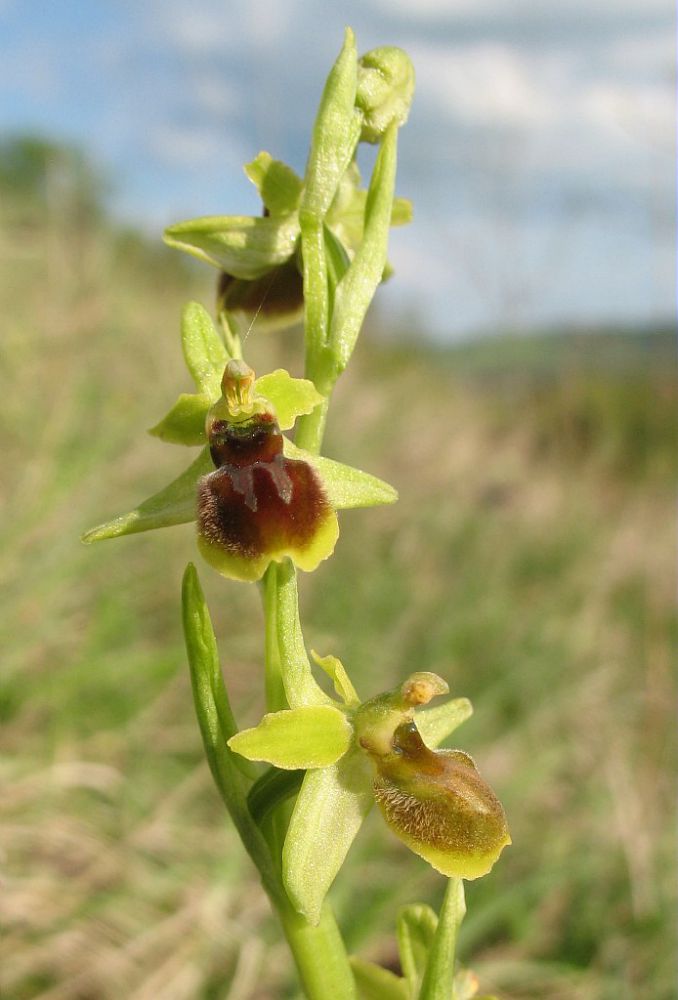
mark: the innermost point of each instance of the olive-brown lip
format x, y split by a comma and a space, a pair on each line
437, 798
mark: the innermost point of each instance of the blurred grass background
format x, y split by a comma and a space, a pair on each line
530, 561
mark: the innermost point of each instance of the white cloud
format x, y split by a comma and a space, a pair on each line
195, 28
214, 95
487, 84
192, 146
642, 112
486, 10
557, 93
199, 28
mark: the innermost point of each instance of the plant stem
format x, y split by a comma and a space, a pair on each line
275, 692
311, 428
439, 974
320, 955
319, 952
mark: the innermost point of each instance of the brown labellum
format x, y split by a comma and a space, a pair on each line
258, 505
276, 299
440, 806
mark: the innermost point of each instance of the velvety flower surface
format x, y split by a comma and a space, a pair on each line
435, 800
440, 806
258, 505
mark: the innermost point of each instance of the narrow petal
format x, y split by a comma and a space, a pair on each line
278, 185
176, 504
291, 397
345, 486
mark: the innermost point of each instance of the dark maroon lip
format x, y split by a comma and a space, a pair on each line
256, 440
261, 507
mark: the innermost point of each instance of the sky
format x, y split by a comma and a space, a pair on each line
539, 153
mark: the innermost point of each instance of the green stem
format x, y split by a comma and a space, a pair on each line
275, 691
311, 428
319, 952
438, 982
320, 955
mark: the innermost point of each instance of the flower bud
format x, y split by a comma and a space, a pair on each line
385, 88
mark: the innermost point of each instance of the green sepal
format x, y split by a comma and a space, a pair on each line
436, 724
203, 349
242, 245
329, 811
312, 736
373, 982
336, 671
185, 422
355, 292
217, 724
278, 185
291, 397
439, 973
175, 504
416, 929
345, 486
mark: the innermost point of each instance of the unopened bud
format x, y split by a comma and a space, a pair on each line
385, 88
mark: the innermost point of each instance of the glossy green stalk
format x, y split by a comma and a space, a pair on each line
311, 428
275, 691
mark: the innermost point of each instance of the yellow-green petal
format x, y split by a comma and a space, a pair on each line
312, 736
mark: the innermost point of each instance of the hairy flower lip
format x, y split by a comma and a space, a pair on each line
435, 801
440, 806
259, 506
